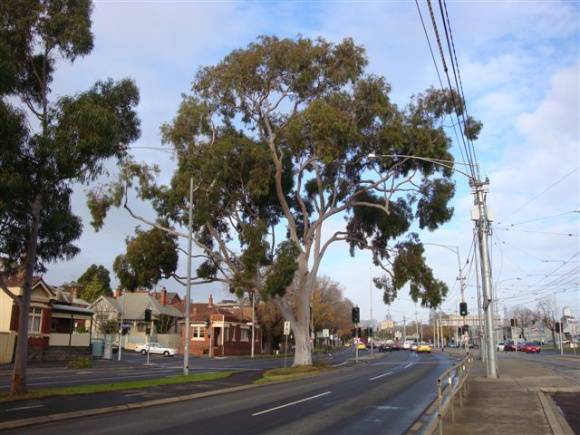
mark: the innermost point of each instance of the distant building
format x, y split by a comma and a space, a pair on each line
387, 324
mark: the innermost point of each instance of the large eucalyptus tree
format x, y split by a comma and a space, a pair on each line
278, 139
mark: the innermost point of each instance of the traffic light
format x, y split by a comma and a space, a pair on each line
356, 315
463, 309
557, 327
147, 315
513, 323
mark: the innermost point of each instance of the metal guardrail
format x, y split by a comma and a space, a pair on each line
451, 385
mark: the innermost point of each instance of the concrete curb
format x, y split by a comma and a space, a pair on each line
557, 422
14, 424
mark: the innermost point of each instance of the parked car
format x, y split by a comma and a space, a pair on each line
500, 346
414, 347
424, 347
531, 348
155, 348
361, 346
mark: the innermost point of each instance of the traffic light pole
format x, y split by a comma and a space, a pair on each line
483, 230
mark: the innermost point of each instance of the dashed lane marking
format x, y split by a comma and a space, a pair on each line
380, 376
291, 403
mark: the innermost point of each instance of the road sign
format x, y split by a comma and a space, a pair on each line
287, 327
325, 333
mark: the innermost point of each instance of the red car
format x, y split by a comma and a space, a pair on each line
531, 348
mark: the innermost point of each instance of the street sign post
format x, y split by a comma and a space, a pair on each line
286, 334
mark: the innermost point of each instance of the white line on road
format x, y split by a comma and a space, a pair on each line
380, 376
291, 403
408, 365
338, 365
25, 407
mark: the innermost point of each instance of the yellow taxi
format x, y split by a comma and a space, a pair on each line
361, 346
424, 347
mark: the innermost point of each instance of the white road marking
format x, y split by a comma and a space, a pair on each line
380, 376
25, 407
291, 403
388, 408
338, 365
408, 365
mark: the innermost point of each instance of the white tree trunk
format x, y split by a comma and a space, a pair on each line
305, 281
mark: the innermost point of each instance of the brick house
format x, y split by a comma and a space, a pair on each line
58, 324
219, 330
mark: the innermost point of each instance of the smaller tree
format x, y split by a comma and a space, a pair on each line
525, 318
95, 281
546, 310
151, 256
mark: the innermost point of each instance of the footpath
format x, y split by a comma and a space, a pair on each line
521, 401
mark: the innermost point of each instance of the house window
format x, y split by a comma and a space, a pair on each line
34, 318
198, 332
141, 327
233, 334
245, 335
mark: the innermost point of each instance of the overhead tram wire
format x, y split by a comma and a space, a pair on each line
459, 82
559, 180
446, 70
453, 124
541, 218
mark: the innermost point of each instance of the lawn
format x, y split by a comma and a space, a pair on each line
292, 373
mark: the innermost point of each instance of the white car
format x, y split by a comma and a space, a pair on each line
500, 346
156, 348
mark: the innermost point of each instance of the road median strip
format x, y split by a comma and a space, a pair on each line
117, 386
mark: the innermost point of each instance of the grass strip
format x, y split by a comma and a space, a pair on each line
289, 373
117, 386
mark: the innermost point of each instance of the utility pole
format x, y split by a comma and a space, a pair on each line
188, 286
121, 326
482, 342
253, 296
371, 321
404, 329
416, 323
483, 230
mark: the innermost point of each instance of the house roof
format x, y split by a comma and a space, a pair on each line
71, 309
135, 304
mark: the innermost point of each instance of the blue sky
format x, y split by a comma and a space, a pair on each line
519, 65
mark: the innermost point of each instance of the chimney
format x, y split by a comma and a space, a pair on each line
117, 293
163, 296
210, 302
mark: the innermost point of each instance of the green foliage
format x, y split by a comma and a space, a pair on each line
109, 327
409, 267
281, 274
165, 324
150, 256
96, 281
77, 133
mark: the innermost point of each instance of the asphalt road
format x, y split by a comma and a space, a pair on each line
132, 367
383, 396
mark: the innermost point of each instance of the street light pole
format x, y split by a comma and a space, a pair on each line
188, 288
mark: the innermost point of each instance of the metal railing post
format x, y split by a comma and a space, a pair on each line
439, 406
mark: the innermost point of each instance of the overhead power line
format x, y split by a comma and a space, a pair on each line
555, 183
